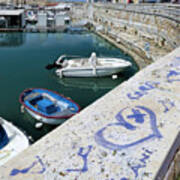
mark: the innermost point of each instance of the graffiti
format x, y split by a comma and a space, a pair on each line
124, 178
139, 118
15, 172
146, 155
174, 75
142, 163
143, 90
167, 104
84, 157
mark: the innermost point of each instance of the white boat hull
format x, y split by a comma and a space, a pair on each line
51, 121
89, 72
17, 142
82, 68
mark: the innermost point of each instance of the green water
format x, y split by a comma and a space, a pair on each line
23, 57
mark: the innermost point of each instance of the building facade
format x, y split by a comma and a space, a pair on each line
30, 2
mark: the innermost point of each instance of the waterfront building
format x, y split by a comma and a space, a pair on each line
42, 20
62, 19
12, 18
23, 2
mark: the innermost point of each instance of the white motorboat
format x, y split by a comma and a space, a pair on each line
90, 67
31, 17
12, 141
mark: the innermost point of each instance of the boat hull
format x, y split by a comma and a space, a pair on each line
17, 142
84, 68
51, 121
47, 106
89, 72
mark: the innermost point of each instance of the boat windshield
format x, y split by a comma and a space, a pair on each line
3, 137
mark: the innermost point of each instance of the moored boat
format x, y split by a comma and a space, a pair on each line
12, 141
47, 106
90, 67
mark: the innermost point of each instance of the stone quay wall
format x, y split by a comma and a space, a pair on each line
159, 23
148, 30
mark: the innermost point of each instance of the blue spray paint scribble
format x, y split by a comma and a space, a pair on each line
173, 76
84, 157
143, 90
124, 178
139, 118
167, 104
15, 172
146, 155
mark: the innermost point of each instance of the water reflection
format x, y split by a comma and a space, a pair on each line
29, 125
23, 59
90, 83
12, 39
101, 43
43, 37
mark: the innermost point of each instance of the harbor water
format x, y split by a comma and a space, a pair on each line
23, 57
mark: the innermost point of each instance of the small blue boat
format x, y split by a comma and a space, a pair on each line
48, 106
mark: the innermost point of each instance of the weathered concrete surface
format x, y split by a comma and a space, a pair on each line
130, 133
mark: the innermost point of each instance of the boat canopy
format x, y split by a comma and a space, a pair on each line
3, 137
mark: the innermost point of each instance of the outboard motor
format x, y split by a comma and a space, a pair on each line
57, 64
60, 60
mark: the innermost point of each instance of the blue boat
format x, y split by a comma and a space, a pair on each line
47, 106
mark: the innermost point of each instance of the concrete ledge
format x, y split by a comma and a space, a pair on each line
130, 133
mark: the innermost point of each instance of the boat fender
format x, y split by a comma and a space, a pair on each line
94, 71
61, 73
30, 138
38, 125
22, 109
115, 76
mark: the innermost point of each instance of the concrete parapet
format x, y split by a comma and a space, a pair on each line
130, 133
